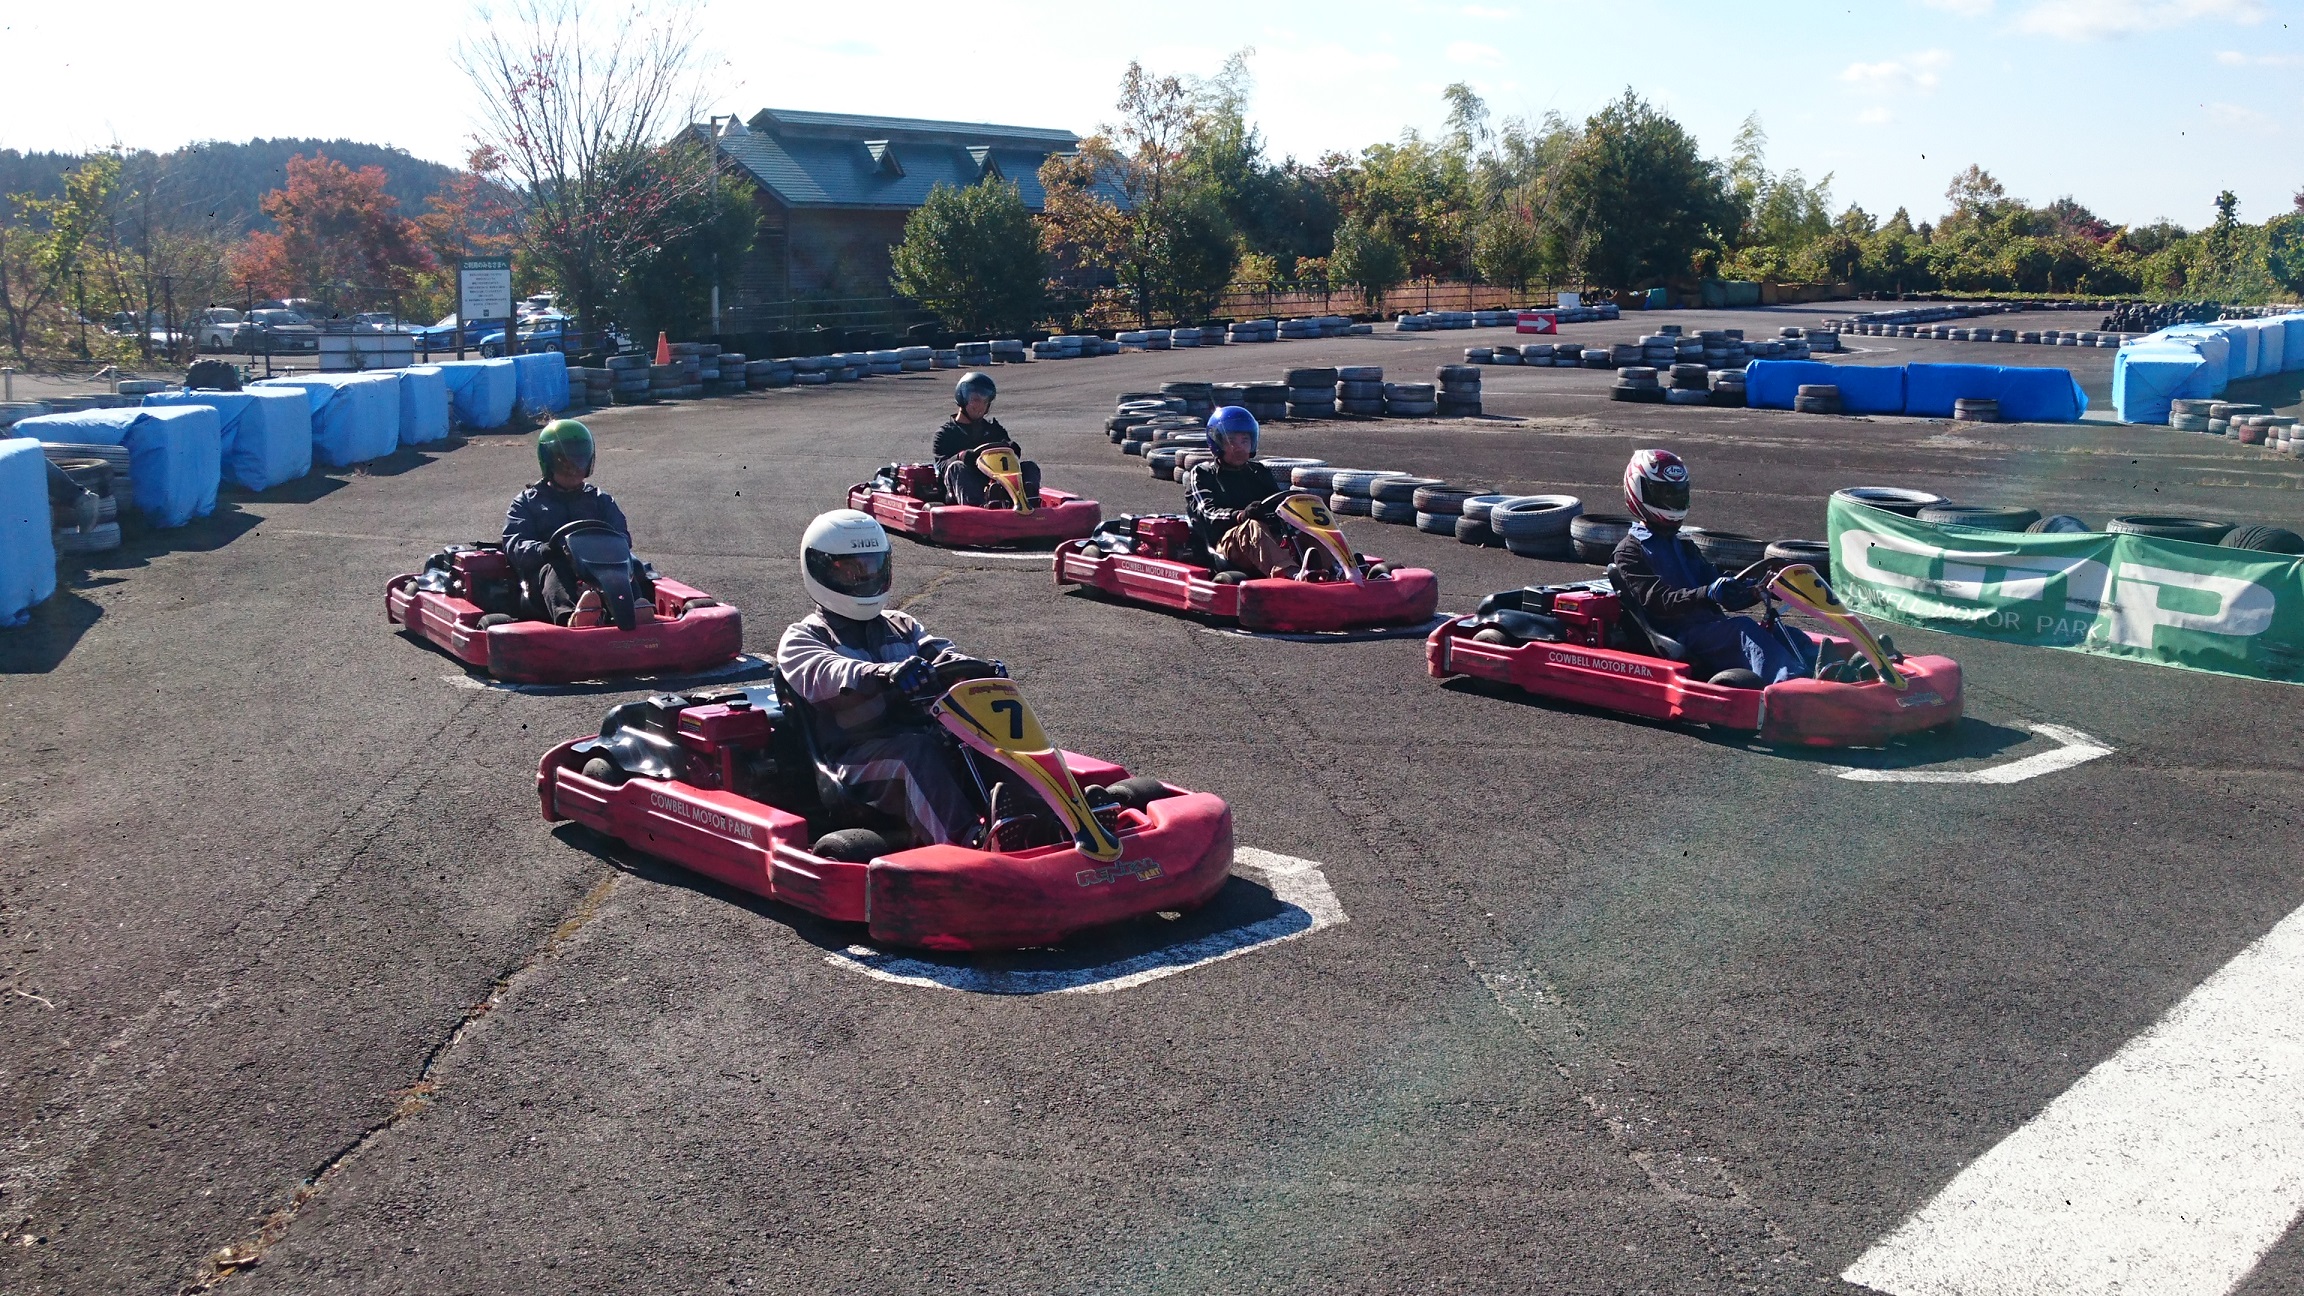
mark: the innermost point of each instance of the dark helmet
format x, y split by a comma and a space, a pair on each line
1656, 489
974, 383
564, 441
1232, 421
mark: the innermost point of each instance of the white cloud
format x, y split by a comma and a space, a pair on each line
1874, 116
1474, 54
2234, 58
1962, 8
2097, 19
1922, 71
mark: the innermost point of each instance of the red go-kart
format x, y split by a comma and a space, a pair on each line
1589, 644
1156, 560
470, 602
910, 498
726, 782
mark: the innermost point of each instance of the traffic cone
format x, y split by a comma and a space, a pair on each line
663, 349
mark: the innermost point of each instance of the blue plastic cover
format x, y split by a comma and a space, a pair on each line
423, 404
175, 453
481, 391
2274, 348
2240, 362
267, 431
1864, 389
543, 383
2147, 375
27, 546
2293, 346
2026, 394
355, 417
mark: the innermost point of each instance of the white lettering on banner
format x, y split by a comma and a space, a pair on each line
701, 816
2243, 607
1601, 664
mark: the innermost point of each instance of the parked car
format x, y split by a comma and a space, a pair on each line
279, 331
219, 328
554, 332
380, 322
442, 336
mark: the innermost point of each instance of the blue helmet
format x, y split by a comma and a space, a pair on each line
1232, 421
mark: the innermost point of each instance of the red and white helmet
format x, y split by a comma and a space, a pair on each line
1656, 490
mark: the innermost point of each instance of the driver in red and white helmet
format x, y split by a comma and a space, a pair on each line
1683, 595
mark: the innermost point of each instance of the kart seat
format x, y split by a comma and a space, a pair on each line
840, 808
1664, 646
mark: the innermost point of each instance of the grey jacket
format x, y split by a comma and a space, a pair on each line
842, 670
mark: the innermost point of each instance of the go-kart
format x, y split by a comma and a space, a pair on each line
728, 782
909, 497
1589, 643
1155, 559
472, 603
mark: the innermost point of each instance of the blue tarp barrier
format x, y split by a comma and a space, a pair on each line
2292, 347
27, 542
481, 391
2026, 394
355, 417
423, 404
175, 453
1864, 389
543, 383
2147, 375
2275, 348
267, 431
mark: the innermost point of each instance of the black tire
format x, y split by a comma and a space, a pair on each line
1593, 552
1527, 518
2058, 524
1400, 490
2196, 530
213, 375
1138, 792
91, 475
2264, 539
1980, 516
1392, 511
1437, 523
1892, 499
1349, 505
1737, 678
1474, 531
1444, 500
1815, 553
1314, 479
850, 846
495, 619
1608, 529
1227, 578
1726, 550
600, 769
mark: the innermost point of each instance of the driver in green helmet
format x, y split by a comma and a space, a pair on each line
564, 453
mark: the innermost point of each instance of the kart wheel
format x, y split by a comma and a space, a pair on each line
851, 846
600, 769
1137, 792
1738, 678
1492, 635
495, 619
1227, 578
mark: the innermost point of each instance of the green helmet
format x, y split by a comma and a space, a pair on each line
566, 441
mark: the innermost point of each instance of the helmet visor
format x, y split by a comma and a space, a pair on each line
1666, 496
857, 575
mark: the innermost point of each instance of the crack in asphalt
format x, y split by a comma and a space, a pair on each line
415, 1098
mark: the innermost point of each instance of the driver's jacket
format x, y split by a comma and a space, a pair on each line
1215, 496
542, 510
833, 664
1667, 577
958, 438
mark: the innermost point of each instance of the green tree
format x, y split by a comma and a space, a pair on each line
973, 256
1367, 257
669, 289
45, 248
1635, 199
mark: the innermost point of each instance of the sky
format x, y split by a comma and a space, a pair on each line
2140, 109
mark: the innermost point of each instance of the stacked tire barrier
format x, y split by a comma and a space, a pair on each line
1536, 526
1459, 391
1360, 390
1265, 330
1311, 393
169, 458
1411, 400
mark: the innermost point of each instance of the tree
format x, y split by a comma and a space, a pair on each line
339, 237
2284, 251
1367, 257
583, 117
973, 256
1506, 248
44, 244
1634, 198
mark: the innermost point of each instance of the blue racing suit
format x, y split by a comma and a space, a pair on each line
1670, 579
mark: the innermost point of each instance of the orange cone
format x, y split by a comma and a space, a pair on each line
663, 349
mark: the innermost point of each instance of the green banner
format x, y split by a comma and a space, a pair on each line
2201, 607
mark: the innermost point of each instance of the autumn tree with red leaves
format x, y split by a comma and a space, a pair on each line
339, 237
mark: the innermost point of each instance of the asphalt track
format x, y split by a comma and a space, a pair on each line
291, 965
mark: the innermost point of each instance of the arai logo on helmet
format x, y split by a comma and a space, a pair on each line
1675, 472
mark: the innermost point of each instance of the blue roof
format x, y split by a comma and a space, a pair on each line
844, 160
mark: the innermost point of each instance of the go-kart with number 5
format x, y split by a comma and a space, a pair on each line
911, 498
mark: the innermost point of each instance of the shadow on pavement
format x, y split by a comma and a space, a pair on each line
41, 644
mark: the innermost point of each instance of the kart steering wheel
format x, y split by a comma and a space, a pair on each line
580, 526
1269, 506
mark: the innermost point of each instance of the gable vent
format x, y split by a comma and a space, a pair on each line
883, 158
987, 166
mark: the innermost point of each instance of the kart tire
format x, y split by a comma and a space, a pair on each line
2058, 524
2264, 539
1445, 500
1604, 529
1892, 499
1436, 523
1477, 506
850, 846
1227, 578
2158, 527
1815, 553
1392, 511
1979, 516
1314, 478
1737, 678
1474, 531
1350, 505
1535, 517
600, 769
1139, 791
495, 619
1400, 490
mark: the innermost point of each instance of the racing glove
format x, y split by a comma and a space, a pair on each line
1732, 594
910, 677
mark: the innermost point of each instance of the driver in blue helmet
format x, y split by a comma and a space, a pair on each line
1221, 495
564, 453
969, 430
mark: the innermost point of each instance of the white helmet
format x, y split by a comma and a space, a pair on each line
845, 560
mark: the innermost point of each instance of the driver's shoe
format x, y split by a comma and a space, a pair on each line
590, 611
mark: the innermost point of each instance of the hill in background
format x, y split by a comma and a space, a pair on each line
216, 185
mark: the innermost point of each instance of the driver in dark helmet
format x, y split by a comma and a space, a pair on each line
1680, 591
970, 429
562, 496
1220, 496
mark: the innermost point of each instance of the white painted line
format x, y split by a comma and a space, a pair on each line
2077, 749
1307, 905
2169, 1169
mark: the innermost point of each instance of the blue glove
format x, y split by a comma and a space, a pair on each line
912, 677
1732, 594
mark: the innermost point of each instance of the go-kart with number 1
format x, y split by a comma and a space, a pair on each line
1588, 643
1155, 559
727, 782
910, 497
470, 603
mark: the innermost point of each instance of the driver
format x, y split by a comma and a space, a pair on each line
564, 452
971, 429
858, 665
1681, 592
1220, 496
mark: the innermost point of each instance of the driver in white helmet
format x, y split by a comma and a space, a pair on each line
863, 668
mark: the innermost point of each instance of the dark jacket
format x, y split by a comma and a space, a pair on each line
543, 509
1215, 496
1667, 577
956, 438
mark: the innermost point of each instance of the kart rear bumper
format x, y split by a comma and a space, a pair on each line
680, 639
1407, 596
1061, 516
